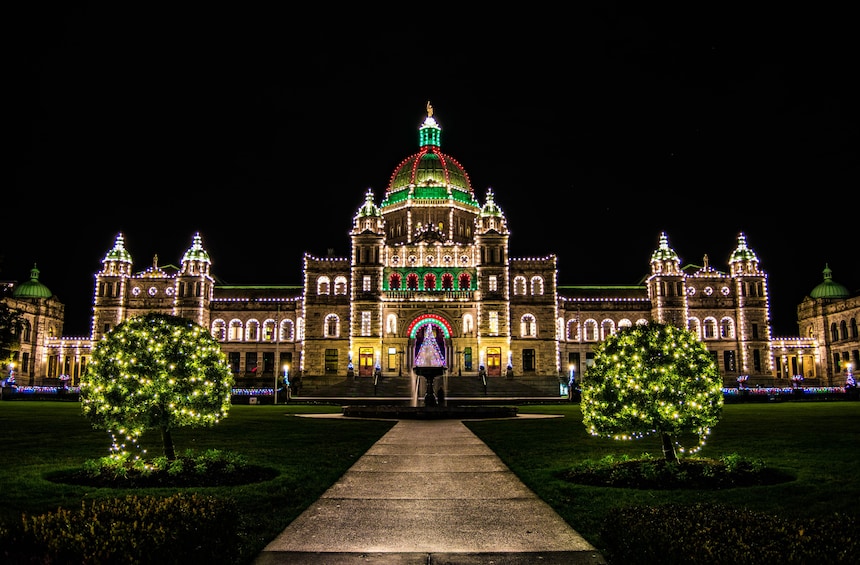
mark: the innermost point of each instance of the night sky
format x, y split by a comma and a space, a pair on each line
596, 130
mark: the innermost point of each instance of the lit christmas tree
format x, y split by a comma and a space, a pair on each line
155, 372
429, 354
652, 379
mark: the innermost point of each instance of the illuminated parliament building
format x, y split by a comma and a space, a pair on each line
430, 261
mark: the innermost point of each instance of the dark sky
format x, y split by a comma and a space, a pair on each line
597, 130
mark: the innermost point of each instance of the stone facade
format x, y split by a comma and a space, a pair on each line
429, 252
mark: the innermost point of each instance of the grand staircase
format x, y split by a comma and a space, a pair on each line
400, 389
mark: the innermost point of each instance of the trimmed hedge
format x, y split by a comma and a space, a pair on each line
714, 534
183, 528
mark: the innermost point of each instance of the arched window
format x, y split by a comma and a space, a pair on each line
429, 281
590, 330
340, 286
447, 281
468, 324
252, 330
464, 280
394, 281
287, 330
843, 327
323, 286
834, 332
727, 328
624, 323
709, 328
391, 324
853, 324
537, 286
528, 327
573, 330
695, 326
519, 286
412, 281
236, 330
607, 328
219, 330
269, 330
332, 326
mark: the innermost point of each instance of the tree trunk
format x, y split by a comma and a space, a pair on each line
167, 441
668, 448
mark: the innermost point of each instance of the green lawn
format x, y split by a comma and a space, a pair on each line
818, 442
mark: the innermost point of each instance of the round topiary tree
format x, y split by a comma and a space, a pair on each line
155, 372
652, 378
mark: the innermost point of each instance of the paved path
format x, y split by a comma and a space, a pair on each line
429, 492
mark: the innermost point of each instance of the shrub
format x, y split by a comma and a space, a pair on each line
713, 534
212, 467
134, 529
648, 472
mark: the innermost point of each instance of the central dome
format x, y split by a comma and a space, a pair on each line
429, 173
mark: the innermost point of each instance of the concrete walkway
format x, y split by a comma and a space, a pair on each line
429, 492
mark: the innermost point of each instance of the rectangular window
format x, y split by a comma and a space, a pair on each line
331, 361
268, 362
392, 358
25, 363
251, 362
755, 331
493, 283
285, 361
365, 323
365, 283
573, 361
757, 360
467, 359
528, 360
494, 323
233, 359
729, 361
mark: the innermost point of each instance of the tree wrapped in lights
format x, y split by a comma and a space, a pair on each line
649, 379
155, 372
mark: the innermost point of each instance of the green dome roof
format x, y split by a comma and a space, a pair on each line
32, 288
118, 252
429, 173
664, 252
369, 210
490, 208
196, 251
742, 252
829, 288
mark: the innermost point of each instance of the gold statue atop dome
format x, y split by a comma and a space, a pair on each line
429, 109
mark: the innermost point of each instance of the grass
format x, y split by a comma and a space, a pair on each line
42, 438
290, 461
814, 442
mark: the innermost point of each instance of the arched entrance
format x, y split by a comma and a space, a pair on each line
430, 341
